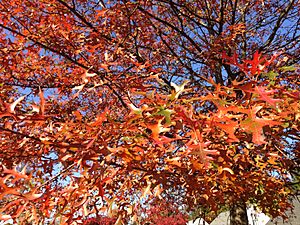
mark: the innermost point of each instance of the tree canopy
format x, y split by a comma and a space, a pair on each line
105, 105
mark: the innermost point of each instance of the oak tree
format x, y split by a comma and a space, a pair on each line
107, 104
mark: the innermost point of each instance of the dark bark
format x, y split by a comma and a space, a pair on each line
238, 214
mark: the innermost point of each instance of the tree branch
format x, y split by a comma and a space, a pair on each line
277, 25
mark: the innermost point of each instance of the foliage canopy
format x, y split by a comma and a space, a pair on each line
106, 104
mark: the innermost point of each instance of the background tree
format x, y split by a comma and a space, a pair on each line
105, 104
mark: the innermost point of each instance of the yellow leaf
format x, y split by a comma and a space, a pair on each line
147, 190
177, 90
12, 106
32, 196
119, 221
228, 170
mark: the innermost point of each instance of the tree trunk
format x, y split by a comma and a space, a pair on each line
238, 214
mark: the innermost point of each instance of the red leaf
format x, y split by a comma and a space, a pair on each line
265, 95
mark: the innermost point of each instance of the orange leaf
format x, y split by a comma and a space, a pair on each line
11, 107
42, 101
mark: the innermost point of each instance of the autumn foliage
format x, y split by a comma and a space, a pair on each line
107, 104
100, 221
161, 212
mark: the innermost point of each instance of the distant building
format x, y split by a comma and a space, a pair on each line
293, 217
255, 218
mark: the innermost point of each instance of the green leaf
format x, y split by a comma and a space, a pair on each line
287, 68
166, 113
285, 125
271, 75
